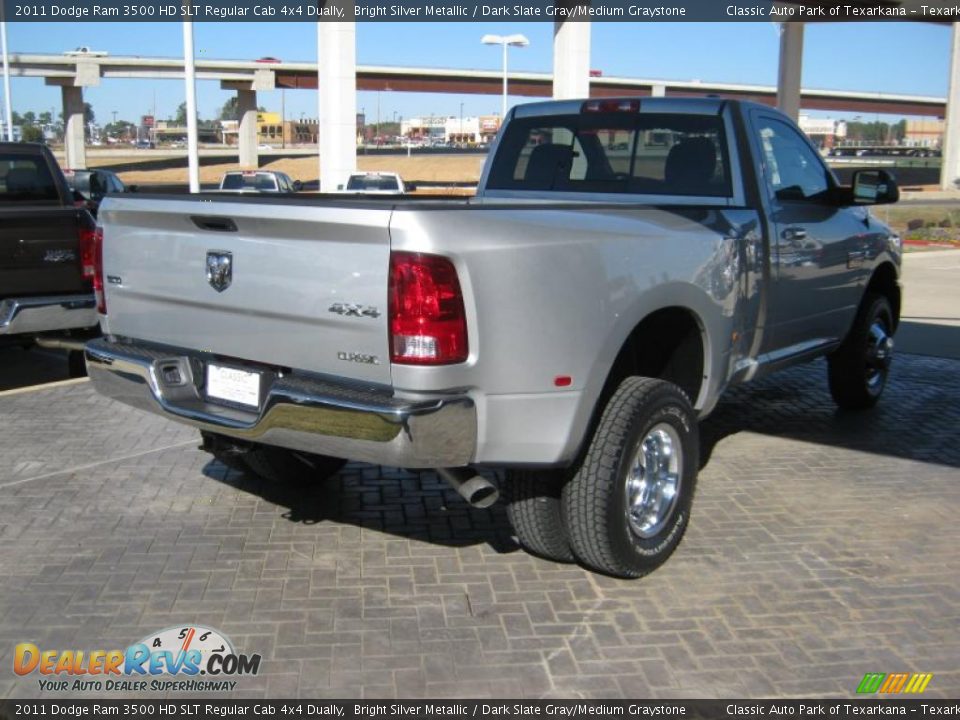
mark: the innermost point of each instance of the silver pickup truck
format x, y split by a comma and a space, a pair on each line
624, 261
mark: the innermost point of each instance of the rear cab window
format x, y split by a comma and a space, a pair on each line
26, 179
372, 182
633, 153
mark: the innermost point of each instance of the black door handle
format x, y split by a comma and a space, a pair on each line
217, 224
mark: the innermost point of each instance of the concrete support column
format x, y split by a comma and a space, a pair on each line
658, 90
247, 131
571, 59
950, 168
791, 68
337, 83
73, 136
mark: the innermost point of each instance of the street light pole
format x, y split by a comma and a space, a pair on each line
505, 40
190, 78
8, 120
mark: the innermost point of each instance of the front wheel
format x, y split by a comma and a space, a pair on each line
857, 371
628, 505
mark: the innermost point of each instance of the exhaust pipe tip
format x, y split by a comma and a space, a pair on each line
475, 489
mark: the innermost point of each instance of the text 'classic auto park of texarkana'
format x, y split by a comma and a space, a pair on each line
535, 359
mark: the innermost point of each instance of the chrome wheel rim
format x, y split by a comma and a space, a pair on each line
879, 355
653, 481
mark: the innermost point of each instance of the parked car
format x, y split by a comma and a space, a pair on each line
94, 185
570, 325
258, 181
47, 252
375, 183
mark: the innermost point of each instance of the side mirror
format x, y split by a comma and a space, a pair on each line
133, 188
874, 187
297, 185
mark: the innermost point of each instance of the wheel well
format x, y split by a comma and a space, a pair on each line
667, 344
884, 281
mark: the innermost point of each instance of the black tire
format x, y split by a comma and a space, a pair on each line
280, 465
857, 371
643, 414
533, 508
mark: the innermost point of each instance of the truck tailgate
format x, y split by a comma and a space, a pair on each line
307, 286
39, 251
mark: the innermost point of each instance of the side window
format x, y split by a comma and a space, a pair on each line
792, 169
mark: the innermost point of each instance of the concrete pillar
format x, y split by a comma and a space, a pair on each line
73, 136
571, 59
247, 131
658, 90
791, 68
337, 84
950, 167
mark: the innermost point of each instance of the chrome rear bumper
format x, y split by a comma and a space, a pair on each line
300, 412
19, 316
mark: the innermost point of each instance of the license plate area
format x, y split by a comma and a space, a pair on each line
234, 386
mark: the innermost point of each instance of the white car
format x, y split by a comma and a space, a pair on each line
375, 183
258, 181
84, 51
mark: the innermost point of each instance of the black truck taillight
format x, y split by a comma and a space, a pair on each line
428, 324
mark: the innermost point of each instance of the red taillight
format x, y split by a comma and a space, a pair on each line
611, 106
87, 242
98, 271
428, 325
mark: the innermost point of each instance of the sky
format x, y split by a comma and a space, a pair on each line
909, 58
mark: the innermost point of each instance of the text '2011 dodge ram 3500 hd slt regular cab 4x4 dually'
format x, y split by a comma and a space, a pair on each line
623, 263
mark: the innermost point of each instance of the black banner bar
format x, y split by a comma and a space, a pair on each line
473, 10
481, 710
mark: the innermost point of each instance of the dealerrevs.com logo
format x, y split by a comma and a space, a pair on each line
190, 659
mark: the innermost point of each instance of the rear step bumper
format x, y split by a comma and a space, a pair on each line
20, 316
309, 414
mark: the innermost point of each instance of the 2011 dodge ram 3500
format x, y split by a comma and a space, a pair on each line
624, 261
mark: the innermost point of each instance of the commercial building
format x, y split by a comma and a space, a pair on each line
924, 132
275, 131
825, 132
451, 129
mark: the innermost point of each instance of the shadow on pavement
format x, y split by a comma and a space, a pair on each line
916, 419
21, 367
408, 504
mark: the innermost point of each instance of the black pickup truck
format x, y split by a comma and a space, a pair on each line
47, 254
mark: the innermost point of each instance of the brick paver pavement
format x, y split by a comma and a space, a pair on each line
822, 546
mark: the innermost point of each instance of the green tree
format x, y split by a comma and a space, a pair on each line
32, 133
120, 129
230, 109
29, 118
181, 117
46, 118
88, 114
